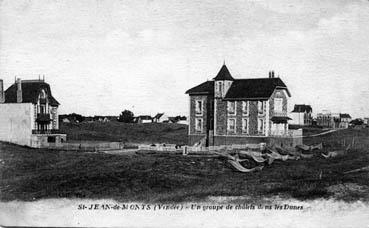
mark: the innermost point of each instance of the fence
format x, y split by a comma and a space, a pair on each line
290, 133
189, 149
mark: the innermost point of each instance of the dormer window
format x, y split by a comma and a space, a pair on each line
42, 94
220, 88
42, 97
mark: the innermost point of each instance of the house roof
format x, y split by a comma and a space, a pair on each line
224, 74
144, 117
302, 108
204, 88
158, 116
345, 115
30, 92
256, 88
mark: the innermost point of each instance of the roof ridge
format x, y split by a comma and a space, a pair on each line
236, 79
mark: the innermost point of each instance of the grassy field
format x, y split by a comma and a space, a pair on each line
31, 174
125, 132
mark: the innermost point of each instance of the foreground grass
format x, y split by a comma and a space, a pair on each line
126, 132
30, 174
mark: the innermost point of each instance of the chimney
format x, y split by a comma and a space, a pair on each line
273, 74
19, 91
2, 93
270, 74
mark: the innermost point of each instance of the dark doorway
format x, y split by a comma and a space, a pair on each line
51, 139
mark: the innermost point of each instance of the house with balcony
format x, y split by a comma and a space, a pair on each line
345, 120
29, 114
301, 115
226, 110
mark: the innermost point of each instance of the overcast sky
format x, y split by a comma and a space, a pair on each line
103, 56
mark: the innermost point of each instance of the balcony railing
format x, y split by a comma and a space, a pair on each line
282, 114
42, 100
46, 132
43, 117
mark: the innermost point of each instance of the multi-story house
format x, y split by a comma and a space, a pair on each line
301, 115
333, 120
226, 110
325, 119
29, 114
366, 121
345, 120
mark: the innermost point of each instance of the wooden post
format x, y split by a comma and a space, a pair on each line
185, 151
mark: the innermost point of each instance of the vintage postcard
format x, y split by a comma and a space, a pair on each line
158, 113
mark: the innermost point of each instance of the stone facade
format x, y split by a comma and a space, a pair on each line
205, 115
215, 116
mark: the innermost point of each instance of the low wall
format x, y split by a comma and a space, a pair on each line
41, 140
234, 140
87, 146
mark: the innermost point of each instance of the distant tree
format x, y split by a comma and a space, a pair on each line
126, 117
77, 117
357, 122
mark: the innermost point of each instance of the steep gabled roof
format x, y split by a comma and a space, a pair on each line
204, 88
256, 88
30, 92
302, 108
224, 74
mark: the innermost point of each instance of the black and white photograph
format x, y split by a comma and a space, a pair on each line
205, 113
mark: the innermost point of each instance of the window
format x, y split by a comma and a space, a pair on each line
231, 106
245, 108
231, 125
198, 124
260, 126
42, 109
261, 107
220, 88
199, 107
245, 125
278, 105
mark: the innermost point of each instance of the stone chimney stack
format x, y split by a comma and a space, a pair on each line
2, 93
19, 91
